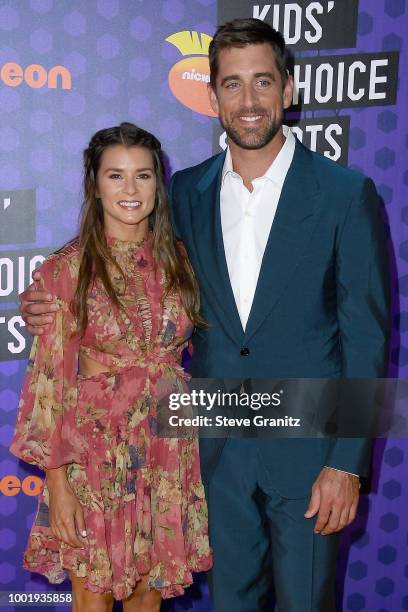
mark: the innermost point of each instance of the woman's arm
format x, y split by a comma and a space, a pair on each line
45, 431
66, 515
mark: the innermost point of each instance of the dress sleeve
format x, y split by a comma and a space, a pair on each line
45, 430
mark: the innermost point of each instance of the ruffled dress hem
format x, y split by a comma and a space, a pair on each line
56, 574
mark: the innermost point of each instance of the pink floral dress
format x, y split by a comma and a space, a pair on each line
142, 495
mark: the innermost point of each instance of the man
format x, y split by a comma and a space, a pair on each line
289, 251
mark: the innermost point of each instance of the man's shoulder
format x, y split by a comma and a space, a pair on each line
193, 174
331, 174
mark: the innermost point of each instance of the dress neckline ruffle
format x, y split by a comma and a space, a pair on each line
118, 244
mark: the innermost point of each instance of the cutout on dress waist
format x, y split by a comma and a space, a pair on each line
91, 367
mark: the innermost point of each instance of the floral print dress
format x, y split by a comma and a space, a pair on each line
141, 494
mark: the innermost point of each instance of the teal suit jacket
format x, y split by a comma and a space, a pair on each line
321, 306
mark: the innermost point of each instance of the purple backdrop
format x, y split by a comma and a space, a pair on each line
117, 62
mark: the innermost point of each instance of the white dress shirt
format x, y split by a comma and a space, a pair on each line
246, 221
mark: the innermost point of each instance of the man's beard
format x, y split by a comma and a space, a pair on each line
252, 138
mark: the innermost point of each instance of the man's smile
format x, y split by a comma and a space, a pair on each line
250, 119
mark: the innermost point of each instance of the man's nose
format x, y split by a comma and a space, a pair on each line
249, 96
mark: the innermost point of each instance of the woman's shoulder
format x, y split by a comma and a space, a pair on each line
63, 263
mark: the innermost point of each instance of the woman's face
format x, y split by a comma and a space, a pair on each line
126, 185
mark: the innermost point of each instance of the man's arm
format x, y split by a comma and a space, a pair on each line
37, 307
363, 311
363, 297
363, 288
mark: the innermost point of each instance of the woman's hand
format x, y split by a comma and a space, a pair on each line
66, 515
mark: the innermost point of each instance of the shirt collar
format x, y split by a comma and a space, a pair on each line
278, 170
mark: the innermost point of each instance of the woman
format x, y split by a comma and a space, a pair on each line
123, 510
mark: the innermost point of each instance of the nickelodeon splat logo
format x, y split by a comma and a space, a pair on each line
188, 78
35, 76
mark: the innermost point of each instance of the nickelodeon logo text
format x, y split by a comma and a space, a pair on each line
35, 76
11, 485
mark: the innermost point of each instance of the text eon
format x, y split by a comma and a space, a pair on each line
11, 485
35, 76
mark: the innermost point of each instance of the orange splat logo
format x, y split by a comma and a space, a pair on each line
189, 77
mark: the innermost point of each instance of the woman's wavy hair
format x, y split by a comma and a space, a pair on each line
94, 253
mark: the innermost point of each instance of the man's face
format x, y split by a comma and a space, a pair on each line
249, 96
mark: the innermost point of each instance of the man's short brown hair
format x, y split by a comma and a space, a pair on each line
242, 32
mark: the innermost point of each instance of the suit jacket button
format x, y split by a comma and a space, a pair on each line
244, 352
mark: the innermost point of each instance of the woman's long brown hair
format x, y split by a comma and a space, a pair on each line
95, 255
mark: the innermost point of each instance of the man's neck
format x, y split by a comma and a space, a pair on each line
253, 163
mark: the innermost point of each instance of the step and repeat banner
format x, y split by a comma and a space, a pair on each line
69, 68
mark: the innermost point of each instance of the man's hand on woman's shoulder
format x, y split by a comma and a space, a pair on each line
37, 307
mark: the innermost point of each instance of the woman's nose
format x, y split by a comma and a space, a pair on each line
130, 187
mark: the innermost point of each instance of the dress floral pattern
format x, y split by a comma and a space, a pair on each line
142, 495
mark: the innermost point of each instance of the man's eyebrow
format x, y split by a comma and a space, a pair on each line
270, 75
230, 77
257, 75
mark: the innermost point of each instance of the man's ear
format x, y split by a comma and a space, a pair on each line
288, 91
213, 98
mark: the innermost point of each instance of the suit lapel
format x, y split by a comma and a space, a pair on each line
290, 233
206, 223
